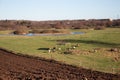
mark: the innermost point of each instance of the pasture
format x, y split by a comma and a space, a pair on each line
94, 50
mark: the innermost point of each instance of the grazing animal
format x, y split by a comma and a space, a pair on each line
77, 45
73, 47
54, 49
59, 49
49, 50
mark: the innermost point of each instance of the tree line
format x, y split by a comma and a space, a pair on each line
59, 24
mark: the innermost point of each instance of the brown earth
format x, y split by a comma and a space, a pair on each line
20, 67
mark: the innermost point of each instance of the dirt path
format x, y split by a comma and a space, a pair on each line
16, 67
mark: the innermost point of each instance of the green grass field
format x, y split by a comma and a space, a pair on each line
102, 60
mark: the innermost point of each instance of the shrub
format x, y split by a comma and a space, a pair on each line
49, 31
21, 30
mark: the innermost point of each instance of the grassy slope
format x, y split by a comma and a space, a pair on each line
6, 32
92, 39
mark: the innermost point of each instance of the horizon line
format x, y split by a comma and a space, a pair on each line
58, 19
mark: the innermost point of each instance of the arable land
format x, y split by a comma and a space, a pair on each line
21, 67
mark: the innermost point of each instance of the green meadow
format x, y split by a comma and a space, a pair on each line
100, 60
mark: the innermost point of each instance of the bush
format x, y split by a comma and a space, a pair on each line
21, 30
49, 31
35, 31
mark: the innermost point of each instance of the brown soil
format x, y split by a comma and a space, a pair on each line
20, 67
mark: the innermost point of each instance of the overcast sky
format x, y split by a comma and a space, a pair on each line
59, 9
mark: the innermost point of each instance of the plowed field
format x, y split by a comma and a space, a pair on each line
19, 67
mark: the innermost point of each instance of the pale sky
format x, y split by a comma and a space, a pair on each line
59, 9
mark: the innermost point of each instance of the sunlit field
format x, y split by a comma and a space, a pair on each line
94, 50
